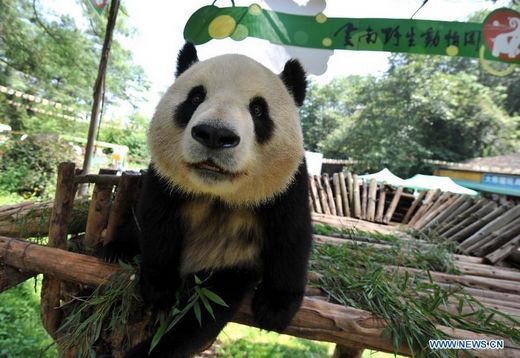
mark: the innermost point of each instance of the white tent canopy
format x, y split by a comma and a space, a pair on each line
432, 182
384, 176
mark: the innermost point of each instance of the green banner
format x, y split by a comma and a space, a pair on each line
392, 35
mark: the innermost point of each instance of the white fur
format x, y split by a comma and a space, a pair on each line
231, 81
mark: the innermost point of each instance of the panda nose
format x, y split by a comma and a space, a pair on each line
214, 137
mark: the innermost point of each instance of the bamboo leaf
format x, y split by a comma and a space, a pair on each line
196, 310
207, 305
213, 297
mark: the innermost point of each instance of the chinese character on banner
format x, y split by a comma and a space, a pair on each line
99, 5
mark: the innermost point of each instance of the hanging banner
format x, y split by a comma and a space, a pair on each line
497, 39
99, 5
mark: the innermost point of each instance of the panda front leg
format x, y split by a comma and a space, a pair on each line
288, 240
188, 337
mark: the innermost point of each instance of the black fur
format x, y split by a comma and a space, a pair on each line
264, 125
293, 75
187, 57
286, 224
185, 110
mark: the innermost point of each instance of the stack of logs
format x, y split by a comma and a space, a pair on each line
347, 196
481, 227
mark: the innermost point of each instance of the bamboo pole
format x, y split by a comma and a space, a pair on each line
460, 216
393, 205
458, 204
98, 211
415, 204
60, 217
323, 196
431, 215
371, 207
330, 197
475, 240
430, 197
315, 196
477, 215
344, 195
504, 251
364, 199
350, 189
337, 194
356, 197
498, 238
477, 225
381, 203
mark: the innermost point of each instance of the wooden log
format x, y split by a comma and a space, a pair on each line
472, 242
393, 205
98, 211
364, 195
498, 238
350, 223
504, 251
337, 194
434, 211
323, 196
97, 179
31, 219
477, 225
10, 277
350, 189
126, 195
430, 197
315, 196
371, 206
460, 216
458, 205
514, 257
330, 196
344, 195
381, 203
316, 319
356, 197
488, 271
415, 204
60, 217
472, 218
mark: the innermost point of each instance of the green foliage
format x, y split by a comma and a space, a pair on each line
359, 276
237, 341
132, 134
21, 331
29, 166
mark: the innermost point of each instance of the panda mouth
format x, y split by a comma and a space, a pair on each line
210, 166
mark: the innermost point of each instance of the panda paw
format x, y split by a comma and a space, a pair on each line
115, 251
159, 296
274, 309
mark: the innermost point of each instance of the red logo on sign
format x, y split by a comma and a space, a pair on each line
502, 34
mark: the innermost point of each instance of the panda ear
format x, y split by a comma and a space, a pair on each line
294, 78
187, 57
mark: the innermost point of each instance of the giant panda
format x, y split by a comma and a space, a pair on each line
225, 196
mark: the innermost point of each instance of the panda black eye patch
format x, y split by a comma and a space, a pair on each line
264, 125
184, 111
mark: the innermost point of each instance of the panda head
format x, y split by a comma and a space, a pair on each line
229, 128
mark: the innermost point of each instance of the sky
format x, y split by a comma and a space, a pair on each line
160, 25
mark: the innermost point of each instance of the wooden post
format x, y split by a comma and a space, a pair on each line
323, 195
381, 203
442, 203
344, 195
98, 211
337, 194
99, 84
126, 196
371, 205
364, 195
330, 197
315, 196
393, 205
61, 212
415, 204
430, 198
498, 238
477, 225
350, 189
357, 199
464, 219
